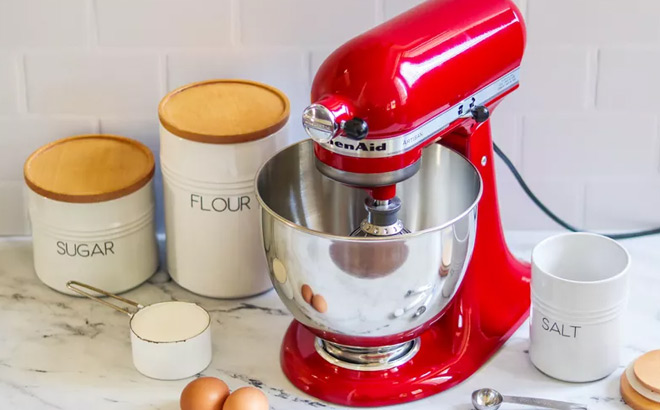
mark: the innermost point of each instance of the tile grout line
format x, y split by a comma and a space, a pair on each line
92, 26
518, 138
593, 73
309, 67
583, 202
163, 71
525, 11
521, 145
21, 85
27, 223
235, 23
379, 11
657, 142
98, 128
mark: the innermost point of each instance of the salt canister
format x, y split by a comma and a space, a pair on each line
214, 137
579, 294
91, 208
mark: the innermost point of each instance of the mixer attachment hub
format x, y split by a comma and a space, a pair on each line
382, 219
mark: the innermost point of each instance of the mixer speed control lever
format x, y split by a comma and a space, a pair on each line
356, 128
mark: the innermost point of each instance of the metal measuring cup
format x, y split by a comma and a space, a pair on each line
169, 340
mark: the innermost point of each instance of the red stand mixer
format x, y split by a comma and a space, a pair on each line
398, 299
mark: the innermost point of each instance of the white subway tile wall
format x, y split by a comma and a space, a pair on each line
92, 83
167, 23
44, 23
561, 80
583, 128
589, 145
393, 7
303, 23
13, 208
628, 78
593, 22
622, 204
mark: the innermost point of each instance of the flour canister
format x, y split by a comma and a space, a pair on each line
91, 206
214, 137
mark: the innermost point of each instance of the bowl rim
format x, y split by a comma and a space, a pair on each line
343, 238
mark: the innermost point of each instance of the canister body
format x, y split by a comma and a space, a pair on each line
575, 348
214, 245
579, 294
109, 244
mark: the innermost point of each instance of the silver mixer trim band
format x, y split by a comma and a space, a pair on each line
387, 147
369, 359
368, 180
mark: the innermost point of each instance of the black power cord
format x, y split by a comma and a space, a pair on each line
552, 215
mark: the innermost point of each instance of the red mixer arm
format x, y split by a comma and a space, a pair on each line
490, 248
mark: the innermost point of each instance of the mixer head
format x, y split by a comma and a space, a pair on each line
378, 101
382, 219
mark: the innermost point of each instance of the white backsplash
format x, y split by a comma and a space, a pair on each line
583, 128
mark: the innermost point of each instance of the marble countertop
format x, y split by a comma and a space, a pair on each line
62, 352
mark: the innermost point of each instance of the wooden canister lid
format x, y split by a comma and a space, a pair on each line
224, 111
647, 370
633, 399
89, 168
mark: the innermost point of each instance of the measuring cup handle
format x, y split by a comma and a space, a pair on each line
75, 286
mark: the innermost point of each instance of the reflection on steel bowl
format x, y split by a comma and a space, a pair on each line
376, 291
368, 259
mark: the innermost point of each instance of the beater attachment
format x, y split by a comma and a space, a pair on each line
382, 219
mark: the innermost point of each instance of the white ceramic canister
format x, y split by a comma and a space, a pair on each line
91, 207
579, 293
215, 135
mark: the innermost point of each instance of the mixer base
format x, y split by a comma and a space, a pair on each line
475, 326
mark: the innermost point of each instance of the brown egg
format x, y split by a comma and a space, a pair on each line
204, 393
444, 270
307, 294
246, 398
319, 303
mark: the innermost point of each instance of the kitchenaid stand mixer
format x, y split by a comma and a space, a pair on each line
390, 315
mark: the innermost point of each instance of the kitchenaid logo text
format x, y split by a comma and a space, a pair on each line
563, 330
361, 146
397, 145
220, 204
85, 250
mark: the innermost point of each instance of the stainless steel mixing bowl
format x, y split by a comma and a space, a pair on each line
367, 291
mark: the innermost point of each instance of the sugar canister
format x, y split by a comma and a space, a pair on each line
91, 207
214, 137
